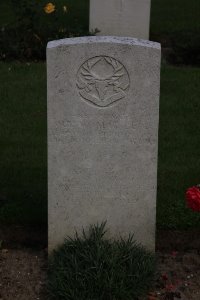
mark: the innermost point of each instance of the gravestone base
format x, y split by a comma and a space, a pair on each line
103, 109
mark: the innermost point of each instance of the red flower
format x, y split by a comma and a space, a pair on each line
170, 287
164, 276
174, 254
193, 198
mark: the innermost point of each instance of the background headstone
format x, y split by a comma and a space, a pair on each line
121, 17
103, 110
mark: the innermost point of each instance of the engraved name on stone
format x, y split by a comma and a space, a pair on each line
102, 80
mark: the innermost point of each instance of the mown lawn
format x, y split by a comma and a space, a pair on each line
179, 141
23, 151
23, 176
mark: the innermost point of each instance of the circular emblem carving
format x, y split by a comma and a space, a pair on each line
102, 80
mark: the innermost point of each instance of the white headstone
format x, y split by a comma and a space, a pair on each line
121, 17
103, 109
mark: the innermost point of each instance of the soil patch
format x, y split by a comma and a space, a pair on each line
178, 276
17, 237
22, 274
36, 237
176, 240
23, 265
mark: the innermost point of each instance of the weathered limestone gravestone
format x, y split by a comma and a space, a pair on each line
103, 108
121, 17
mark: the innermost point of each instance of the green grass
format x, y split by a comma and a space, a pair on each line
93, 267
23, 155
179, 141
23, 152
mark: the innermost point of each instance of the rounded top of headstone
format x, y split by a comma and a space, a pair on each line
104, 39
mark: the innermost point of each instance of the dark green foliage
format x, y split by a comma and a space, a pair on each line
175, 24
26, 28
29, 32
185, 48
169, 16
94, 268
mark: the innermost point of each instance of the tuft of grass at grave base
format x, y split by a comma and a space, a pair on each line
93, 267
23, 151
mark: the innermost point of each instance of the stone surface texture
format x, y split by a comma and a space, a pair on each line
121, 17
103, 113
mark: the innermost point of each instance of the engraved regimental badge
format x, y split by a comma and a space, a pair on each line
102, 80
